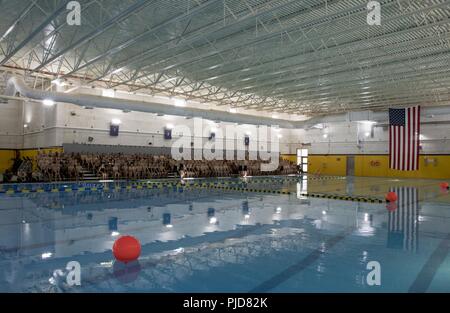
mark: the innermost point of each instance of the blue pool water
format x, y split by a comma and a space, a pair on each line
203, 239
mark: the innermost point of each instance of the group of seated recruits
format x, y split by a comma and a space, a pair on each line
74, 166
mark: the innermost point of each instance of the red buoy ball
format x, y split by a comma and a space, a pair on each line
391, 196
126, 249
444, 185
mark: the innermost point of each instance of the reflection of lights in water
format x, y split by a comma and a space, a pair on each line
365, 255
366, 229
213, 220
323, 247
26, 229
106, 264
46, 255
115, 233
178, 250
366, 217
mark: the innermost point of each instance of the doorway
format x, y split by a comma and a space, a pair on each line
302, 159
350, 166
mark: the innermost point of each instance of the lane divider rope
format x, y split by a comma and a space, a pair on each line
231, 186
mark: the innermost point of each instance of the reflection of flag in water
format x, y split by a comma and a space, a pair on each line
403, 224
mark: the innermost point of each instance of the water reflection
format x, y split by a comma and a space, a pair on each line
242, 238
403, 222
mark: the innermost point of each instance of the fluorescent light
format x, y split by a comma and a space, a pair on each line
117, 70
116, 121
169, 126
48, 102
214, 66
108, 93
58, 82
8, 31
369, 122
180, 102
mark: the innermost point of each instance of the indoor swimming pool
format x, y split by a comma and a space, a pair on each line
256, 234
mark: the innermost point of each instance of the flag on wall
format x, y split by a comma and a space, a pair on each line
404, 131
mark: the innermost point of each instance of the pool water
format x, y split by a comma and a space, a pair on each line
199, 238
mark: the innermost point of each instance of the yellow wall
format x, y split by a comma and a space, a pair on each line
327, 164
430, 166
289, 157
32, 153
6, 157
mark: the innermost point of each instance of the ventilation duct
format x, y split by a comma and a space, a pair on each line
16, 84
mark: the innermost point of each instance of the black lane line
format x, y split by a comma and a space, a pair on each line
299, 266
426, 275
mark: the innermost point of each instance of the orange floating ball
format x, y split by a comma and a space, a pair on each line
444, 185
126, 249
391, 196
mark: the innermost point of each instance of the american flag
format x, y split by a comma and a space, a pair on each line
403, 222
404, 131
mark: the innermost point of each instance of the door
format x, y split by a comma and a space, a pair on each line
350, 165
302, 159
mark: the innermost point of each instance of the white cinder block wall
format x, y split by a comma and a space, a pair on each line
68, 123
367, 138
